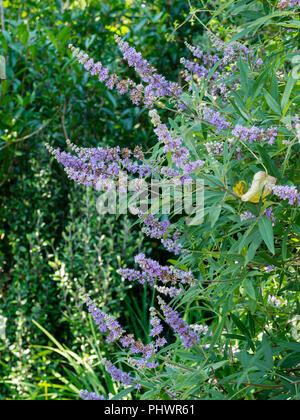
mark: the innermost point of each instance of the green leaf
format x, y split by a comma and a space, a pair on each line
262, 20
272, 103
64, 35
244, 32
274, 87
23, 34
267, 352
252, 249
249, 289
240, 105
52, 38
111, 98
215, 214
258, 83
266, 230
249, 236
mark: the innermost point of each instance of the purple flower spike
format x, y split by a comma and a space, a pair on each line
189, 337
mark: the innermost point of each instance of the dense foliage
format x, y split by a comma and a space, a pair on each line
228, 324
45, 234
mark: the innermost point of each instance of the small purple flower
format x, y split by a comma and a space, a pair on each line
157, 85
269, 213
117, 374
163, 274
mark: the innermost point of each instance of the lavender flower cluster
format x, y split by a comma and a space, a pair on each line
156, 85
247, 215
273, 300
287, 193
200, 328
117, 374
215, 147
216, 119
269, 213
156, 329
111, 80
197, 72
169, 291
244, 134
106, 323
233, 50
216, 83
269, 268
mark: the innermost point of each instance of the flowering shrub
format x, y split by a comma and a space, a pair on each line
227, 326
